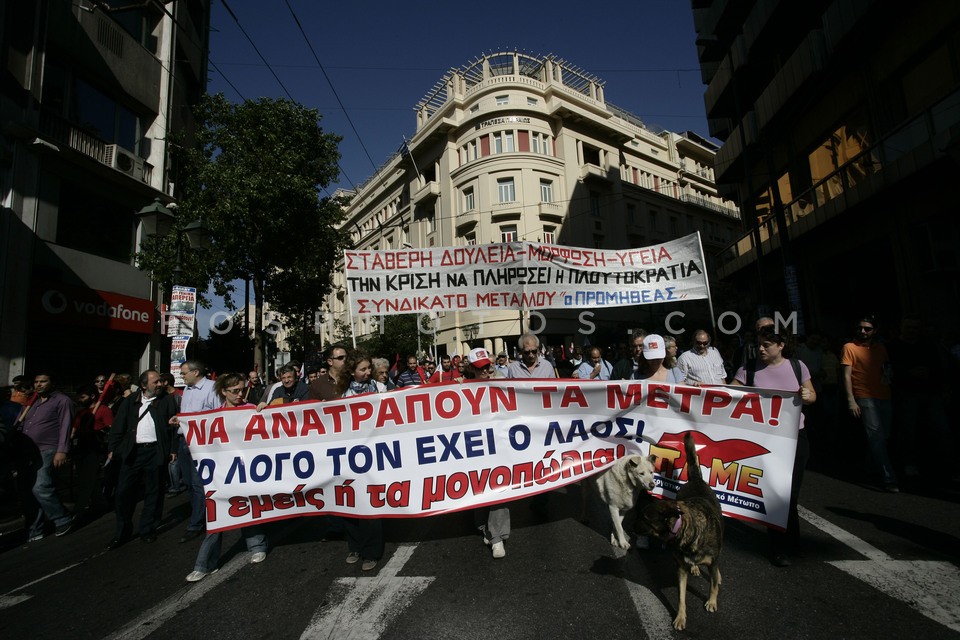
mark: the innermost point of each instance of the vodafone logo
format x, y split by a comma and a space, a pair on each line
79, 307
54, 302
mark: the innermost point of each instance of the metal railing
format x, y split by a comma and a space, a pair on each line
908, 137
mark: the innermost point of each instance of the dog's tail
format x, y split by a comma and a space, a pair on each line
693, 462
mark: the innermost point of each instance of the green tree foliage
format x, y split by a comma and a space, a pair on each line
255, 178
399, 336
228, 347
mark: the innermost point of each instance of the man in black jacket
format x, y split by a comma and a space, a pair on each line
142, 441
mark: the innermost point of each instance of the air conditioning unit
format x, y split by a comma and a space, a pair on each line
124, 161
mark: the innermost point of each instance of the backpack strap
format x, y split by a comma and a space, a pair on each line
796, 370
751, 368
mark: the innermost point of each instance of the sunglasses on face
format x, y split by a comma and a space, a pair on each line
530, 351
865, 329
338, 357
702, 344
235, 390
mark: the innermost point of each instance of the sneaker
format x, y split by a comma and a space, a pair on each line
498, 550
889, 488
353, 557
258, 557
368, 565
35, 538
197, 576
64, 529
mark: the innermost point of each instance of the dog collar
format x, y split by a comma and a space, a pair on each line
676, 528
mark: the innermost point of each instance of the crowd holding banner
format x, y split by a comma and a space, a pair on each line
428, 450
442, 448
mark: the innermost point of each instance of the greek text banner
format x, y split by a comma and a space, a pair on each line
427, 450
520, 275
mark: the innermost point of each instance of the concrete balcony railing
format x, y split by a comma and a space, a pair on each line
468, 218
700, 201
550, 210
590, 170
427, 193
900, 153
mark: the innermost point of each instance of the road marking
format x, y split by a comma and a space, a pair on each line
928, 586
6, 600
653, 614
151, 620
361, 608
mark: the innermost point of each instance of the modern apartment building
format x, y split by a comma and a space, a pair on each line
91, 92
514, 146
840, 124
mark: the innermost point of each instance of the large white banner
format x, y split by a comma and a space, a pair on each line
426, 450
523, 275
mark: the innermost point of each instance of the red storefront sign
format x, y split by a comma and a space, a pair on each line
75, 306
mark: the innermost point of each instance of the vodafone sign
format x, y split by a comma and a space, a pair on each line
64, 305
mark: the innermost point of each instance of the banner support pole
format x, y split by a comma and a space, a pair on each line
706, 278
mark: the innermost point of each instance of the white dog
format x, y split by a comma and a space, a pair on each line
619, 487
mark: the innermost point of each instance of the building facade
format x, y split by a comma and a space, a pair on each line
840, 124
514, 146
90, 94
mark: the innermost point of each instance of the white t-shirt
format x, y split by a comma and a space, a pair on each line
146, 428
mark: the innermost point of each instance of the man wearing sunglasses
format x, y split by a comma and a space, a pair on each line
325, 387
866, 378
702, 364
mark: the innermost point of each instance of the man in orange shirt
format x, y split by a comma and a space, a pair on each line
866, 377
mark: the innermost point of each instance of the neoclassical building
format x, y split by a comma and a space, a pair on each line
515, 146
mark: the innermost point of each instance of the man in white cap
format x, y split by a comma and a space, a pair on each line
493, 522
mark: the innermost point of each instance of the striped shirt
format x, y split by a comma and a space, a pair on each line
702, 369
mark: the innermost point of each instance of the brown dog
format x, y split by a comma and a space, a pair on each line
692, 527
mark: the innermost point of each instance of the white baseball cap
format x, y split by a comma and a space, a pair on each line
479, 358
653, 347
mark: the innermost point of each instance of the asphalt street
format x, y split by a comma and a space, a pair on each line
876, 565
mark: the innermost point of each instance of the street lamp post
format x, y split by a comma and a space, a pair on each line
158, 220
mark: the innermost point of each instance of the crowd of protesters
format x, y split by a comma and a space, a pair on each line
121, 435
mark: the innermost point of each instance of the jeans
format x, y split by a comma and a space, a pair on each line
493, 522
209, 554
191, 477
176, 477
43, 500
877, 418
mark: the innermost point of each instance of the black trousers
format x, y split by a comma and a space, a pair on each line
364, 536
782, 542
141, 466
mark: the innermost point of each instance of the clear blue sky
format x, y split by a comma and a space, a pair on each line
382, 58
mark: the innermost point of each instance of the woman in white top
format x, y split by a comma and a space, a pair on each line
364, 535
229, 387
